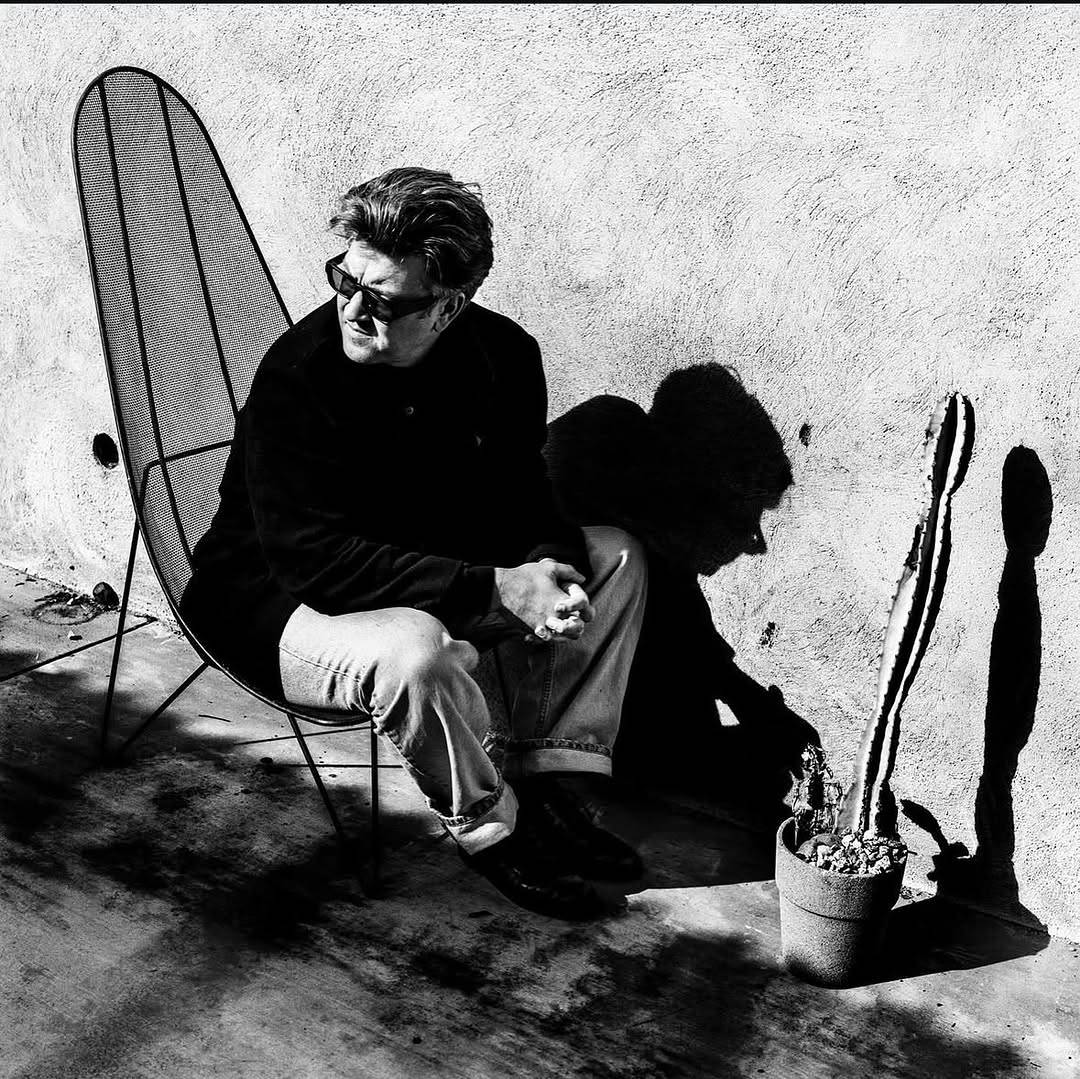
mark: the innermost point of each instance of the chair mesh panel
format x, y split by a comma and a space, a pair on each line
187, 307
190, 479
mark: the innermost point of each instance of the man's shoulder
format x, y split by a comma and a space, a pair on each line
493, 328
293, 368
304, 340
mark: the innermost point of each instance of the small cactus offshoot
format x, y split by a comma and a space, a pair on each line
817, 797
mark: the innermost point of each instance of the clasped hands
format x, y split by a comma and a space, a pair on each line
546, 595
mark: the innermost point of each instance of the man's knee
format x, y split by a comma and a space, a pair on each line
425, 654
615, 551
426, 669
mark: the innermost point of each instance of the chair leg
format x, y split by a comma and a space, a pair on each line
104, 745
160, 708
375, 883
369, 884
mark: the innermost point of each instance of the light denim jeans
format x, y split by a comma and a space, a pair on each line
403, 669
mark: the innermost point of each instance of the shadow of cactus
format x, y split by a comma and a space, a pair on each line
987, 878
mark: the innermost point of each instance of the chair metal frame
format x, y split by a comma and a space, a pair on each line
138, 486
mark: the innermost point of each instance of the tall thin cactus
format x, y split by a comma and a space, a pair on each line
868, 804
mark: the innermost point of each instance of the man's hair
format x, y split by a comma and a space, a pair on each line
429, 214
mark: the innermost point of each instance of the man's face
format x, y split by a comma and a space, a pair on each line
401, 342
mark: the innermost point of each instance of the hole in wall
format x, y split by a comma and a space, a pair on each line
105, 451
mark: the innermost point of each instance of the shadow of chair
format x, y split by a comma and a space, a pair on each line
187, 309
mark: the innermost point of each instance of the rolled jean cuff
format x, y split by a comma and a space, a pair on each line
493, 820
535, 756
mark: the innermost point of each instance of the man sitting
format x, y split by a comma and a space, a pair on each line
386, 515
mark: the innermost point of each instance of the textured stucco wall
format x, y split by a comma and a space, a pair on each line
861, 207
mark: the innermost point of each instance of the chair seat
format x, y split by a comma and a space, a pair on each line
329, 717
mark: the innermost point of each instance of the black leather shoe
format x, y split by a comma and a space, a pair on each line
527, 876
571, 834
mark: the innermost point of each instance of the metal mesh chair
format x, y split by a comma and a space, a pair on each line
187, 309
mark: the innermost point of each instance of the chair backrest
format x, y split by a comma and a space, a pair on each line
186, 304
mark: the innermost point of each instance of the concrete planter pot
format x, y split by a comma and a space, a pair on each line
831, 924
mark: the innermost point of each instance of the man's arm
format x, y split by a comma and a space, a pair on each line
514, 449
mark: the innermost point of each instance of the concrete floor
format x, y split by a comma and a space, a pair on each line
188, 914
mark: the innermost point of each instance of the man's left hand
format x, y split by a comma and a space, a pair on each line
570, 617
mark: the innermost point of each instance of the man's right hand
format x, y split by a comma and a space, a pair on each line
546, 596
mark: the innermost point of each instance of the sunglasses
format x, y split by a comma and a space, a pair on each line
372, 303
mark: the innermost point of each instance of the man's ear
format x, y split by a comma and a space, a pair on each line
448, 310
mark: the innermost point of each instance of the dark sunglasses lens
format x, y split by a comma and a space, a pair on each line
340, 281
377, 308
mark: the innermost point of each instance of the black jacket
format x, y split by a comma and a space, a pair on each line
352, 487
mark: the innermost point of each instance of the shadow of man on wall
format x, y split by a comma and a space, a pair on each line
691, 479
942, 933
